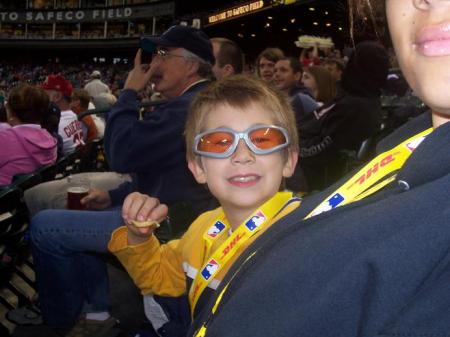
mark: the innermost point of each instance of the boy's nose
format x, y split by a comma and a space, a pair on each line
243, 154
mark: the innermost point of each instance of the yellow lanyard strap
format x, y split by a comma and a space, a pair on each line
225, 252
362, 183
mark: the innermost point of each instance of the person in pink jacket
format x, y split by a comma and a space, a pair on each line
25, 146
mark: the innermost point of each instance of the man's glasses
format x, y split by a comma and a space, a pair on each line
223, 142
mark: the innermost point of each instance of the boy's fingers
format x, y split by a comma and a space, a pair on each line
147, 208
135, 207
127, 207
159, 213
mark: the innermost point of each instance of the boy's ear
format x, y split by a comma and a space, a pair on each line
195, 166
291, 162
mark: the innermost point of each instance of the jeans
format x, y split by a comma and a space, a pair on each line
67, 249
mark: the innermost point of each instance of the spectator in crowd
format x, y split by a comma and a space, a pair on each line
321, 83
229, 58
244, 176
288, 72
26, 146
80, 103
310, 56
265, 63
335, 67
95, 86
102, 102
375, 264
69, 273
343, 124
287, 77
60, 90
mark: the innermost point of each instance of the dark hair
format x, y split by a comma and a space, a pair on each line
229, 53
205, 70
338, 63
271, 54
326, 85
83, 96
294, 64
28, 103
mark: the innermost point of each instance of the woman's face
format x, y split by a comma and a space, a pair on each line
420, 31
310, 82
266, 69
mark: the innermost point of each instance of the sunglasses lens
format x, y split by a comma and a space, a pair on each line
267, 138
215, 142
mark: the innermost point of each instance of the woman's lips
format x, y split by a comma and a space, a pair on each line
434, 40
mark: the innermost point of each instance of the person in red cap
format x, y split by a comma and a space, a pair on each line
59, 91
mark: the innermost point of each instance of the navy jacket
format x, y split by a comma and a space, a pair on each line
153, 149
377, 267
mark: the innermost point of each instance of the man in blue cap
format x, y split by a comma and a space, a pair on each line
153, 150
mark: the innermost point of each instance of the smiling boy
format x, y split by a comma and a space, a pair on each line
241, 142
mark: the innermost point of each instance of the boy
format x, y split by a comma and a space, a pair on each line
241, 141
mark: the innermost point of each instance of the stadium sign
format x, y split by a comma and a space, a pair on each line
88, 15
234, 12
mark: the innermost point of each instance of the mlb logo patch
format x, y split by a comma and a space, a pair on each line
210, 269
333, 202
215, 229
255, 221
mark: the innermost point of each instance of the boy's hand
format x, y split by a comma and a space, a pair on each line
141, 207
96, 199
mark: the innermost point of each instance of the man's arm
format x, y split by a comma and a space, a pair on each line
134, 145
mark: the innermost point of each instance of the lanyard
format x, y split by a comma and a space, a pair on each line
365, 182
372, 177
225, 252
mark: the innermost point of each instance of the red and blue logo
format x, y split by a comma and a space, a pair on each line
210, 269
216, 229
334, 201
255, 221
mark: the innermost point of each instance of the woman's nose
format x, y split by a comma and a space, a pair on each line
430, 4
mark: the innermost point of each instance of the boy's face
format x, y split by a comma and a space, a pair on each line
243, 181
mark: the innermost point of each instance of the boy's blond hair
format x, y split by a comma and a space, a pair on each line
239, 91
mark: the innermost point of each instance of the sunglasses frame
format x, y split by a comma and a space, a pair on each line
237, 137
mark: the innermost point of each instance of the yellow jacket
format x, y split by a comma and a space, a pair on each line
169, 269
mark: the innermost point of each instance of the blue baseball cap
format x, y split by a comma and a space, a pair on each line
189, 38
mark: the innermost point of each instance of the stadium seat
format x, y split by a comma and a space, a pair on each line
26, 181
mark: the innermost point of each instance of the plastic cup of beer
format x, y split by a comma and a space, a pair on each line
77, 189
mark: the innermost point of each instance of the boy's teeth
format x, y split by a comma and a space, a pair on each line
244, 179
